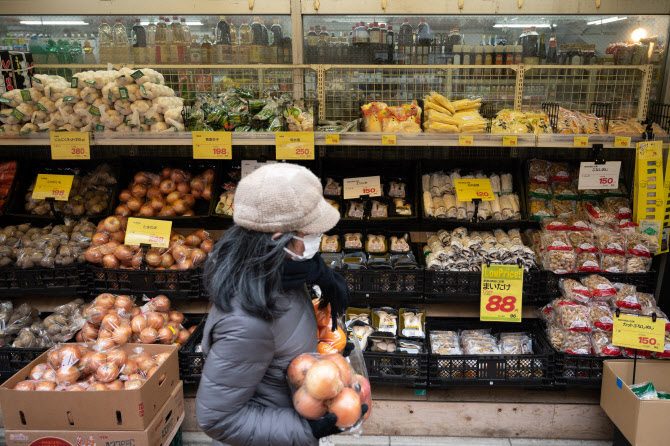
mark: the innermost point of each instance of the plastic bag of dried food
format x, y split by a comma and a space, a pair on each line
599, 214
644, 391
587, 262
592, 125
601, 289
576, 343
640, 244
564, 191
559, 262
574, 291
480, 345
660, 315
556, 335
646, 299
539, 171
612, 263
540, 190
618, 206
610, 242
601, 342
540, 208
445, 343
601, 316
625, 297
583, 241
554, 224
556, 241
516, 344
573, 316
563, 208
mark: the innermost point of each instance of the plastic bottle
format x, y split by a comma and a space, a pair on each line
167, 54
265, 39
206, 50
457, 52
161, 40
405, 34
518, 54
322, 46
245, 42
186, 37
223, 31
466, 59
121, 43
552, 56
390, 44
234, 39
509, 54
177, 44
531, 48
105, 42
362, 43
311, 43
38, 50
277, 33
139, 43
542, 52
89, 57
488, 55
194, 51
76, 52
151, 42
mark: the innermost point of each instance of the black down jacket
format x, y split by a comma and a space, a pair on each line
244, 398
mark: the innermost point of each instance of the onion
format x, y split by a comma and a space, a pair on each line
207, 193
347, 407
180, 252
207, 246
105, 301
197, 256
154, 192
130, 367
112, 224
365, 394
138, 190
141, 178
167, 211
161, 303
323, 380
92, 255
167, 261
183, 336
176, 316
203, 235
125, 195
135, 311
346, 374
197, 186
133, 384
155, 321
180, 206
107, 372
146, 211
122, 211
138, 324
118, 357
153, 259
97, 387
208, 175
173, 196
157, 204
46, 386
192, 328
67, 375
104, 344
37, 371
123, 303
25, 386
110, 261
110, 322
89, 332
100, 238
108, 248
308, 406
118, 237
184, 265
166, 335
115, 385
147, 365
49, 375
183, 188
148, 336
178, 176
166, 172
167, 187
162, 357
124, 254
122, 334
134, 204
298, 369
193, 240
95, 314
188, 213
136, 261
189, 200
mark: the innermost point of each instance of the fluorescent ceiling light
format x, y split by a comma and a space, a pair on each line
188, 23
609, 20
53, 22
514, 25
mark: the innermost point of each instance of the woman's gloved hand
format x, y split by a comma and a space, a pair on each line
348, 349
325, 426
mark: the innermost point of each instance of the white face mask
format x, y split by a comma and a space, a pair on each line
312, 243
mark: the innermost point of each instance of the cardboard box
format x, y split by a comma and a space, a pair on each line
641, 421
129, 410
160, 432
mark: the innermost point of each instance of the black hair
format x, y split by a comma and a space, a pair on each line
246, 267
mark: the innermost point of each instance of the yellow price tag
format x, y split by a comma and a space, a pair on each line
581, 141
639, 332
52, 186
622, 141
152, 232
295, 145
212, 145
468, 190
501, 293
332, 138
388, 140
509, 141
70, 146
465, 140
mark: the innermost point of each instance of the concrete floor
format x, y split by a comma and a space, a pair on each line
200, 439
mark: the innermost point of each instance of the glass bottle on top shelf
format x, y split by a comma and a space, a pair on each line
105, 42
194, 52
245, 42
162, 51
186, 39
139, 43
121, 43
206, 50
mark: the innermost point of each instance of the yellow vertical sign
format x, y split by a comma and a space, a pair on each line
70, 146
501, 293
212, 145
650, 195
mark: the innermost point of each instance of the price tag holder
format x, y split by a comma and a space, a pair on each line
295, 145
147, 231
622, 141
501, 293
639, 333
249, 166
388, 140
468, 190
70, 146
52, 186
581, 141
332, 138
212, 146
599, 176
509, 141
466, 140
355, 187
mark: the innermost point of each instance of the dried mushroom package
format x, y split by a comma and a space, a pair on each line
413, 322
601, 316
383, 344
445, 343
601, 343
330, 243
385, 320
516, 344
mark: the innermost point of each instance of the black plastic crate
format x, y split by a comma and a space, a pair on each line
190, 360
533, 371
12, 360
455, 286
172, 283
644, 282
28, 174
401, 369
58, 281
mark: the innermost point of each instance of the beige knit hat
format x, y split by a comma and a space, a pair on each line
283, 197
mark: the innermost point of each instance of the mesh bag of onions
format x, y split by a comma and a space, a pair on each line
89, 367
330, 383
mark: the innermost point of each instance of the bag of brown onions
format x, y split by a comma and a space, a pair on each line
75, 368
108, 250
329, 383
171, 193
116, 320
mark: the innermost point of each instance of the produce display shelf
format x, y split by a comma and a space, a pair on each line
579, 370
175, 284
644, 282
382, 285
400, 369
58, 281
190, 360
346, 139
534, 370
12, 360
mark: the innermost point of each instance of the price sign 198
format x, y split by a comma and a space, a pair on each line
58, 193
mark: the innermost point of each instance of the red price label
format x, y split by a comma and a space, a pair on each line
482, 194
499, 303
78, 151
647, 341
369, 191
607, 181
154, 239
220, 151
302, 151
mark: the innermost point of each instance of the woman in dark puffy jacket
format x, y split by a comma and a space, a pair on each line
262, 315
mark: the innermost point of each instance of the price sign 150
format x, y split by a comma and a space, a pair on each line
647, 341
607, 181
372, 190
